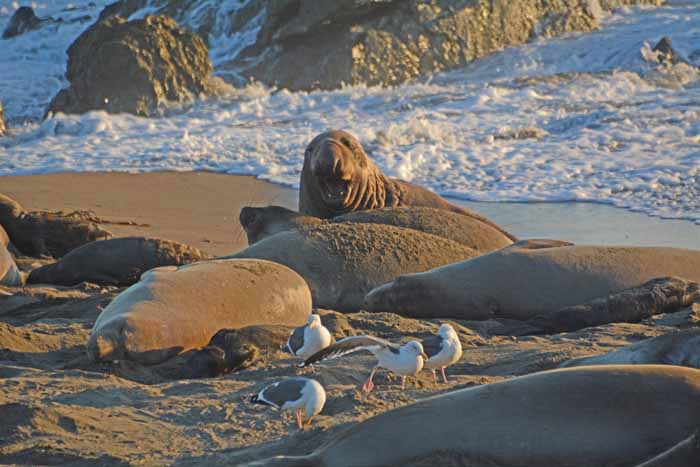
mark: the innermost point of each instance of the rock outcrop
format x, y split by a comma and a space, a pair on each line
22, 20
133, 66
307, 44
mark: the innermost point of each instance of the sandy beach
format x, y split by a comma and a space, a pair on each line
196, 208
61, 409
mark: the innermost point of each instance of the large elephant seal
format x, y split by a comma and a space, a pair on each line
578, 417
673, 348
339, 177
262, 222
520, 282
9, 273
118, 261
342, 262
46, 233
173, 309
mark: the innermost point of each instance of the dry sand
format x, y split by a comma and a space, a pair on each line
57, 408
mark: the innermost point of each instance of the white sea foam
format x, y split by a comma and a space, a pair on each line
586, 117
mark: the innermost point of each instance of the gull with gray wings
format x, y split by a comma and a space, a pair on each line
297, 394
404, 360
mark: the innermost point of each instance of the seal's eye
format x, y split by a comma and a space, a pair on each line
346, 142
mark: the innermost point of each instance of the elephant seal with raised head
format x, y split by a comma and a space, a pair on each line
338, 177
342, 262
118, 261
520, 282
261, 222
578, 417
174, 309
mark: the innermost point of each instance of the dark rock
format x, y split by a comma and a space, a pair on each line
22, 20
666, 53
133, 67
388, 42
376, 42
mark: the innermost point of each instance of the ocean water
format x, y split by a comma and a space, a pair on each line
585, 117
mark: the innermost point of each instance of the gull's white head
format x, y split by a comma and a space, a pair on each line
416, 348
314, 320
446, 331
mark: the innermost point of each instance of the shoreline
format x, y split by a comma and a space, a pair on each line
200, 208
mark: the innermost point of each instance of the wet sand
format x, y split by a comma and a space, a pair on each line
201, 209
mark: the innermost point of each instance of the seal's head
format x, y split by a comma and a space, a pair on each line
336, 172
259, 223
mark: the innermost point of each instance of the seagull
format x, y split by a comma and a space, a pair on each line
298, 394
405, 360
443, 350
310, 338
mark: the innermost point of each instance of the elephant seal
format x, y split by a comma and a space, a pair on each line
578, 417
9, 273
338, 177
342, 262
520, 282
174, 309
673, 348
46, 233
118, 261
262, 222
655, 297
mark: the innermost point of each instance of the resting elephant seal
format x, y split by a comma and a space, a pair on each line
519, 282
46, 233
173, 309
338, 177
673, 348
655, 297
578, 417
118, 261
9, 273
259, 223
342, 262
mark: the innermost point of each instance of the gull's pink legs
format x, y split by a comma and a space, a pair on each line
444, 378
299, 424
369, 385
